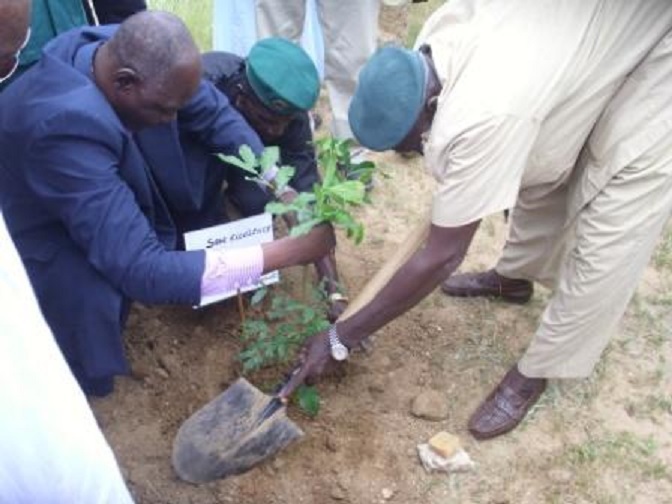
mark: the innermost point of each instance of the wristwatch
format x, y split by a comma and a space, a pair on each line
338, 350
335, 297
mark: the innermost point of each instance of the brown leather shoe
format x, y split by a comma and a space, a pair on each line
506, 405
489, 283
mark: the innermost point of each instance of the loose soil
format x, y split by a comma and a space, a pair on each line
607, 439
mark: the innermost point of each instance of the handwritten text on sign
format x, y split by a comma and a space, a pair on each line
241, 233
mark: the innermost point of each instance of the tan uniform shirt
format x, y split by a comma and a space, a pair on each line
524, 81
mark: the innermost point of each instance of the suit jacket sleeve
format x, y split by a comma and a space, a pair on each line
80, 168
214, 122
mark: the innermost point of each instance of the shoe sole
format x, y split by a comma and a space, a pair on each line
512, 298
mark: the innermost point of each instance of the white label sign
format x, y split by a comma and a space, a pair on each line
241, 233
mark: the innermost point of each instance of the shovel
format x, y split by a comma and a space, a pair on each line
243, 426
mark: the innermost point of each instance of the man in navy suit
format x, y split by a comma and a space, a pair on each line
93, 175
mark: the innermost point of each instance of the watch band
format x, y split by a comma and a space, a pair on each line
337, 296
338, 350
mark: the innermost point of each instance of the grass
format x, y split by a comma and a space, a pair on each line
622, 451
197, 14
651, 407
662, 258
417, 14
606, 467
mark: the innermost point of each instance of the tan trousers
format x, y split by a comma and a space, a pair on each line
350, 30
594, 257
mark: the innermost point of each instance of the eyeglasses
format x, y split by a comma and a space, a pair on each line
9, 63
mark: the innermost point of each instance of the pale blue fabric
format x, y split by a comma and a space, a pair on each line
234, 30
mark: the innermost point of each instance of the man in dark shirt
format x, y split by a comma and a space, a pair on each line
279, 116
273, 89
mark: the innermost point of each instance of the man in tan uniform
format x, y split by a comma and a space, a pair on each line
559, 110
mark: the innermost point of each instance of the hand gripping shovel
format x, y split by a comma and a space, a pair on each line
242, 426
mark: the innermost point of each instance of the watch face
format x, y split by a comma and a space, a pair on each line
339, 352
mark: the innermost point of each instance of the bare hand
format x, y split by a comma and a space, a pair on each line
319, 241
336, 309
314, 359
288, 195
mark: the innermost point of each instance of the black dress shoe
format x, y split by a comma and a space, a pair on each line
506, 405
489, 284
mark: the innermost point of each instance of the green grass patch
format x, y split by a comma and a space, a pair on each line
197, 14
622, 451
417, 15
650, 407
662, 257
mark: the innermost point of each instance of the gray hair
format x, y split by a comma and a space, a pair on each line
153, 43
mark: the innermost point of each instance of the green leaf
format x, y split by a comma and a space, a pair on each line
238, 163
309, 400
278, 207
304, 227
282, 178
358, 233
269, 158
341, 149
304, 199
352, 191
258, 296
343, 219
248, 157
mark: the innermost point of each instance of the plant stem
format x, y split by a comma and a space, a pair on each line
241, 306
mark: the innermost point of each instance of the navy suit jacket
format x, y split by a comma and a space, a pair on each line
90, 205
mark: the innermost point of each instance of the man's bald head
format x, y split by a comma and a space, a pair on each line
14, 22
154, 44
149, 69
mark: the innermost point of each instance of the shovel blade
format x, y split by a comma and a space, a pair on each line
231, 434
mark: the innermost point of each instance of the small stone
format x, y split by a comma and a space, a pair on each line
337, 493
430, 405
377, 385
432, 461
170, 363
140, 372
385, 362
445, 444
162, 373
331, 443
343, 481
387, 493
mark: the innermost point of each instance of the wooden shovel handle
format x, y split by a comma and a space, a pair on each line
404, 251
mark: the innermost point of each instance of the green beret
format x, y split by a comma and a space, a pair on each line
388, 98
282, 75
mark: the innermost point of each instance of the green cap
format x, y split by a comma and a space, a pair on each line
388, 98
282, 75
